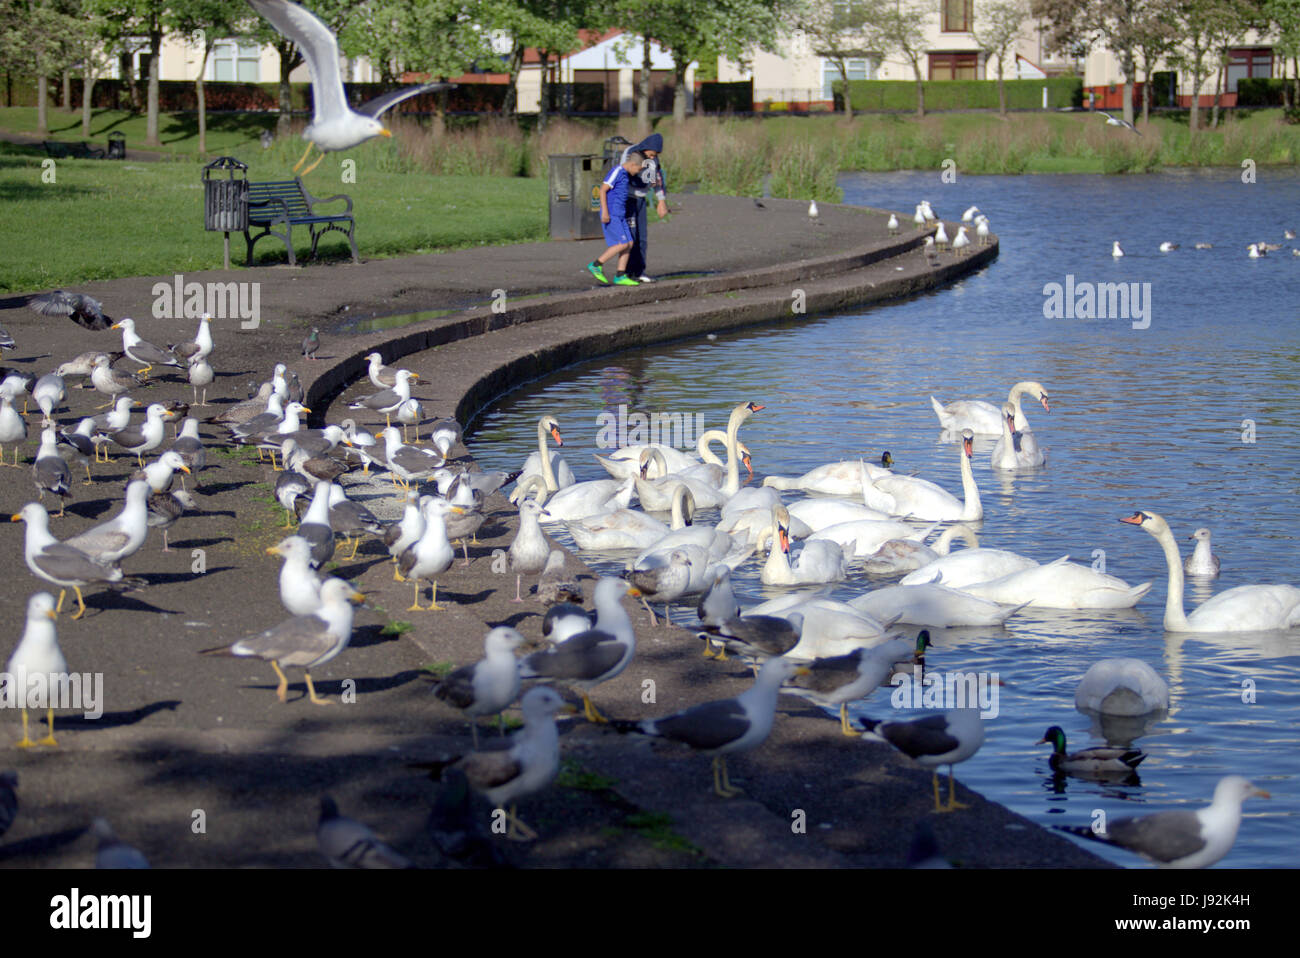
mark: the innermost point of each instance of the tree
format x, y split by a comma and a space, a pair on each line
40, 38
334, 14
205, 22
901, 26
1155, 39
1075, 25
1283, 18
1203, 25
551, 28
998, 26
146, 18
839, 30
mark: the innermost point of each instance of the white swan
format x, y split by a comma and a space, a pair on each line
834, 478
748, 525
932, 605
821, 561
1246, 608
923, 500
827, 627
1121, 687
656, 494
629, 528
1202, 561
957, 570
865, 536
984, 417
625, 461
581, 499
818, 514
1061, 585
1015, 450
551, 466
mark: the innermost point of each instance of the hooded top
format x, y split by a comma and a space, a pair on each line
651, 178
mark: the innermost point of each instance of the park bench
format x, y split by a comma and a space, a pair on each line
78, 151
286, 203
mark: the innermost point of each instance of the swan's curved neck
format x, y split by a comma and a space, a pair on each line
944, 545
974, 509
1175, 618
679, 506
706, 439
544, 451
732, 485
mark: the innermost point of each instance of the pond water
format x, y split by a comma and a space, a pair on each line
1187, 407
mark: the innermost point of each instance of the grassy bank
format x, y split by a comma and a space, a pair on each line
102, 219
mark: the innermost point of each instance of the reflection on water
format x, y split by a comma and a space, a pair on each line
1156, 419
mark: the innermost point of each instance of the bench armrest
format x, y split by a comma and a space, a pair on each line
312, 201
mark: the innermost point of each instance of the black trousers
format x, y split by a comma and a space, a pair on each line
636, 218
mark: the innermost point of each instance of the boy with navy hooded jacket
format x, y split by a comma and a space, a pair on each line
649, 181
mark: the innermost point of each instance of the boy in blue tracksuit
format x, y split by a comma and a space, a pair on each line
613, 218
649, 181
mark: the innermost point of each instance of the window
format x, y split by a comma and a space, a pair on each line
232, 60
958, 15
1251, 62
954, 66
857, 70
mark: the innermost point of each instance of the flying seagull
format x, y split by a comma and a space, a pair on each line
80, 308
1113, 121
334, 125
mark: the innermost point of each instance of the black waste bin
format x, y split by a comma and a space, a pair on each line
575, 195
117, 146
225, 201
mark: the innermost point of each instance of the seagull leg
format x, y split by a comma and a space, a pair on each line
433, 601
589, 710
415, 603
646, 602
518, 831
465, 545
708, 649
952, 803
90, 482
303, 158
519, 578
165, 547
59, 607
281, 690
311, 692
313, 166
49, 739
937, 806
722, 785
844, 721
397, 571
27, 741
355, 546
81, 603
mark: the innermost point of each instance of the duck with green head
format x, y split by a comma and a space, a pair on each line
1098, 760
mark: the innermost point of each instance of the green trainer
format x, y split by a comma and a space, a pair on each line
596, 270
625, 280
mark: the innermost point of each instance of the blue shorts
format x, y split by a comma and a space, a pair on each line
616, 231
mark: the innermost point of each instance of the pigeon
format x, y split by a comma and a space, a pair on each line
346, 843
80, 308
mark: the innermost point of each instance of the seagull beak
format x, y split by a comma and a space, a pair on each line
50, 613
413, 376
15, 518
385, 132
348, 441
186, 470
1260, 793
460, 512
803, 670
273, 550
116, 326
634, 592
357, 597
568, 709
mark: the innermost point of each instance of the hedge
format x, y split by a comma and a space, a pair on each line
965, 94
725, 97
1261, 91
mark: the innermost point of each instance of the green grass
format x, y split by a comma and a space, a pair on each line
114, 219
178, 133
573, 775
396, 627
439, 670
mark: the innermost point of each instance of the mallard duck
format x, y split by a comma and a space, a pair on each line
1099, 760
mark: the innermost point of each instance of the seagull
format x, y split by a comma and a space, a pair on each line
384, 377
1168, 247
1254, 252
961, 241
1202, 561
299, 584
406, 462
142, 351
1102, 760
1289, 234
48, 393
201, 376
145, 437
982, 230
83, 364
316, 528
346, 843
529, 551
110, 542
753, 637
936, 740
847, 678
305, 641
200, 346
812, 211
928, 211
110, 381
431, 555
1182, 839
36, 666
919, 217
113, 853
1204, 246
1117, 121
589, 658
165, 508
892, 225
49, 471
159, 473
351, 518
6, 340
941, 236
489, 685
80, 308
405, 532
13, 428
58, 563
554, 584
189, 447
969, 215
334, 125
311, 343
727, 725
529, 765
1115, 251
389, 400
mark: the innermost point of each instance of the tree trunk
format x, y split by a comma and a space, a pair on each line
511, 105
42, 109
679, 89
643, 95
284, 123
1128, 97
1002, 90
1295, 81
920, 88
1286, 89
67, 91
87, 91
1218, 89
1146, 92
1194, 120
440, 111
544, 106
200, 97
151, 119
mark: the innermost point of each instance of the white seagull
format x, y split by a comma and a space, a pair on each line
1114, 121
334, 125
1115, 251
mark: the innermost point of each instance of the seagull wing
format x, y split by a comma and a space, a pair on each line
380, 104
587, 655
927, 736
708, 726
64, 563
319, 48
486, 770
297, 641
1163, 837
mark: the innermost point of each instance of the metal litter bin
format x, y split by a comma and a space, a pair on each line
225, 201
117, 146
575, 195
614, 148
